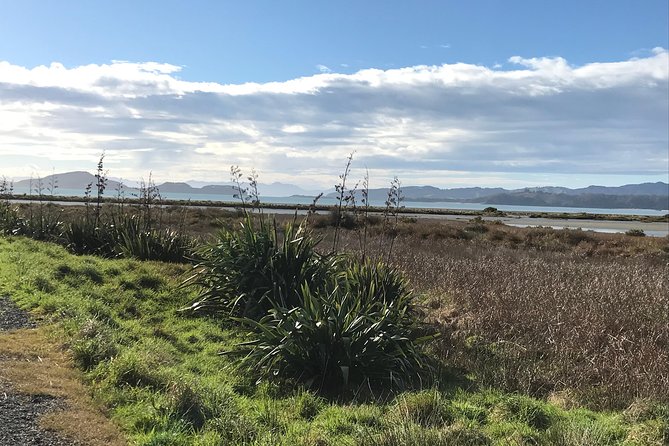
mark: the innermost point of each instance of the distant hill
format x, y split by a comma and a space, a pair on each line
77, 181
476, 194
629, 196
431, 193
658, 188
185, 188
639, 196
586, 200
69, 180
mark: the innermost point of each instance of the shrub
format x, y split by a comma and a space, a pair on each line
85, 237
252, 269
43, 225
136, 239
337, 218
634, 232
127, 236
375, 281
326, 321
9, 216
337, 338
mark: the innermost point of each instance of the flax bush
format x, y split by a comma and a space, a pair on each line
327, 321
252, 269
335, 339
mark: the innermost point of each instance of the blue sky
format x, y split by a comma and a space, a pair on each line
509, 93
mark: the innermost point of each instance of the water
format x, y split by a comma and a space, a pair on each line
649, 233
409, 204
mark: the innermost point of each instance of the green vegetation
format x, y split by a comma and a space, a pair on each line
504, 336
328, 321
249, 270
116, 231
158, 371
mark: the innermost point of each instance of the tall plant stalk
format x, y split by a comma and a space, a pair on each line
341, 199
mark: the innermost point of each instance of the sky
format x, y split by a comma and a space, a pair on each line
512, 93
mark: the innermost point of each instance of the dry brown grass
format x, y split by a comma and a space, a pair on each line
32, 363
541, 317
540, 322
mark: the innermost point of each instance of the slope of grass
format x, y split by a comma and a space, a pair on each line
159, 373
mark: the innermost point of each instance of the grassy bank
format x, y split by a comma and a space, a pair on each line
159, 374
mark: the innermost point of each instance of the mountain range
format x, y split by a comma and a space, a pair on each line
640, 196
75, 181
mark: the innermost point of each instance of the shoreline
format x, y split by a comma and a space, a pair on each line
657, 226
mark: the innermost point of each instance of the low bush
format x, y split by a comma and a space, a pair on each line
85, 237
323, 320
250, 270
337, 339
135, 240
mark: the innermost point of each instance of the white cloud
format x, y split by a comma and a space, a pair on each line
542, 116
293, 129
323, 68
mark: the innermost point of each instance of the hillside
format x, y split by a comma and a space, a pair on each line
629, 196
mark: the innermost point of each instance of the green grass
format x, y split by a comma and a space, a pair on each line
159, 373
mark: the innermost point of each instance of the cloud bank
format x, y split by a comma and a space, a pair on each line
529, 116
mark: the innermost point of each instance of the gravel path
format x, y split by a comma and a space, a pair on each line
12, 317
19, 413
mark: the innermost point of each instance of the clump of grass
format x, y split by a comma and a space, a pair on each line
523, 410
93, 344
428, 408
406, 433
195, 403
308, 405
131, 368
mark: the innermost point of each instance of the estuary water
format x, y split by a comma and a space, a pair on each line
409, 204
